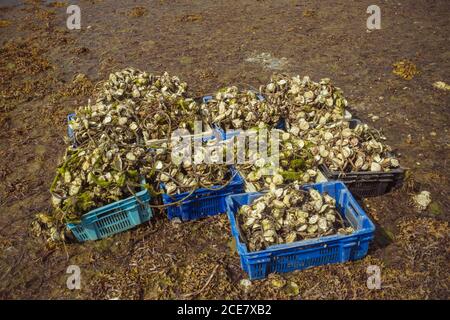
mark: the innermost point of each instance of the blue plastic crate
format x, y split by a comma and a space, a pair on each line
113, 218
70, 132
281, 124
206, 99
304, 254
202, 202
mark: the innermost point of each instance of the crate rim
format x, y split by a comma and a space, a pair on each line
128, 206
237, 179
114, 204
329, 173
242, 247
92, 213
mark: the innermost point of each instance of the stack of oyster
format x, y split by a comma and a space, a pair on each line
234, 109
204, 169
94, 176
288, 214
347, 149
292, 163
124, 136
134, 111
303, 103
150, 106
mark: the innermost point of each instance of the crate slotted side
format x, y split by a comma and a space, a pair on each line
304, 254
366, 183
203, 202
113, 218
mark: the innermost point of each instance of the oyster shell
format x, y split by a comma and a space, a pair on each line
286, 215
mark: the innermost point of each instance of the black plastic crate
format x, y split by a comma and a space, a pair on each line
366, 183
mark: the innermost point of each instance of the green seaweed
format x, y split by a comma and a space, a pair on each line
133, 173
62, 168
99, 181
122, 179
292, 175
85, 201
297, 164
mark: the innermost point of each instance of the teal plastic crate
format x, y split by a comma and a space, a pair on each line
282, 258
113, 218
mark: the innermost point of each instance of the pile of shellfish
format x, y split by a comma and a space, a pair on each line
288, 214
347, 149
135, 105
124, 136
294, 163
205, 169
96, 175
140, 86
186, 178
134, 111
231, 108
304, 103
